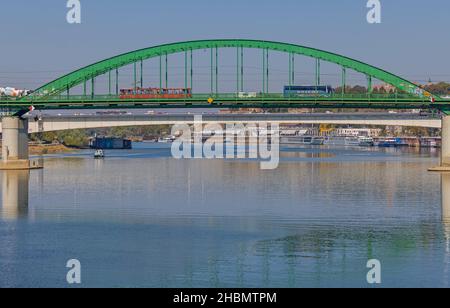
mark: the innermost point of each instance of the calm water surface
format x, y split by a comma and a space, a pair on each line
142, 219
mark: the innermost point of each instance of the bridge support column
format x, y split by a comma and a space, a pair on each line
445, 150
15, 154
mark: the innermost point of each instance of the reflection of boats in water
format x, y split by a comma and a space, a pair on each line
306, 140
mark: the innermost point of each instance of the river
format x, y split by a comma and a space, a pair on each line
140, 218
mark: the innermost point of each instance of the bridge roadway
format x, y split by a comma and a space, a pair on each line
49, 123
226, 100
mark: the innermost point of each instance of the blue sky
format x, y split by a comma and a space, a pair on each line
38, 44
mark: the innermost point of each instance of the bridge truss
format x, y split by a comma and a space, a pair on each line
58, 94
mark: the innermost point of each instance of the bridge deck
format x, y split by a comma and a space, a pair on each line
66, 122
230, 101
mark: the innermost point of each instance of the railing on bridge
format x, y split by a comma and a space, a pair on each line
230, 96
230, 100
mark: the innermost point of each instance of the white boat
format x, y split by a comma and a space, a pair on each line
352, 141
317, 141
366, 142
99, 154
305, 140
359, 141
169, 139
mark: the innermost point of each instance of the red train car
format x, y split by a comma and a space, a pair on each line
155, 93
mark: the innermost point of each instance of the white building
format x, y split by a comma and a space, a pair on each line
356, 132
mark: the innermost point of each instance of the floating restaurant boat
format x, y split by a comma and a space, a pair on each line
352, 141
366, 142
389, 143
304, 140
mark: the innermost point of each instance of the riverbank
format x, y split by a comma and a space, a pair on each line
42, 149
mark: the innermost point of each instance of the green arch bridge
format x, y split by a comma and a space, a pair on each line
58, 94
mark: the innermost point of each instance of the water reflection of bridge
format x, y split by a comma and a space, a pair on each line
15, 194
15, 197
446, 207
317, 244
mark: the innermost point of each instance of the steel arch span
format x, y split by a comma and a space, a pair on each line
100, 68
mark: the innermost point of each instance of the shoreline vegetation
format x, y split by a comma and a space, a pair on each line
78, 139
43, 149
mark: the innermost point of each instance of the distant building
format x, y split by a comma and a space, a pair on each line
358, 132
298, 130
384, 87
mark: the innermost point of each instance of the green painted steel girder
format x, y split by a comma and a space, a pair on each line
89, 72
230, 101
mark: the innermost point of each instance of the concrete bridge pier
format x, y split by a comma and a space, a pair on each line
15, 155
445, 155
445, 150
